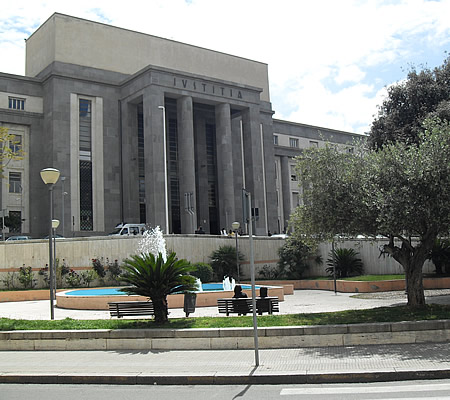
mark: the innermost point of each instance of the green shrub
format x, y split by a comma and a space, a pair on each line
203, 271
347, 263
73, 279
114, 270
295, 256
440, 256
26, 277
86, 277
98, 266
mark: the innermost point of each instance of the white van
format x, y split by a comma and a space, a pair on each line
128, 230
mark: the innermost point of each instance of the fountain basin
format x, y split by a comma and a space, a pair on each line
91, 301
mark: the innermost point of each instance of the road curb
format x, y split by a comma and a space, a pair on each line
214, 379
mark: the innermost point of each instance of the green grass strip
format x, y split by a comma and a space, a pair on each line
381, 314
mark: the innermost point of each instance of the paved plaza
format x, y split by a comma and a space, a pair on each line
302, 301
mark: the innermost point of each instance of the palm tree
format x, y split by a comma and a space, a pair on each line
155, 278
223, 261
347, 263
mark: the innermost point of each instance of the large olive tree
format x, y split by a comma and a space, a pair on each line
399, 191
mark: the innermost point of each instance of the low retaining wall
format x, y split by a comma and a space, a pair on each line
229, 338
369, 287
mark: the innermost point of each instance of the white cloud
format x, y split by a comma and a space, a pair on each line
308, 45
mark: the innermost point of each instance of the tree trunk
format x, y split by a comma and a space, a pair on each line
412, 259
160, 308
414, 283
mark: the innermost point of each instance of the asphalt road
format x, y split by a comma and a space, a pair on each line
417, 390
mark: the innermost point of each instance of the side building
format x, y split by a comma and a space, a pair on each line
144, 130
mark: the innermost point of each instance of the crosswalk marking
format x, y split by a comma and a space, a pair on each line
369, 389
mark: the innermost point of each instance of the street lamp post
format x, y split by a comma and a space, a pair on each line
235, 225
50, 176
63, 179
55, 224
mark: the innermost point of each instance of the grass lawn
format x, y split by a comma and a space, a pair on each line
381, 314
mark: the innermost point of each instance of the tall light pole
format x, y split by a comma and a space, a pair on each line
50, 176
247, 213
235, 225
165, 167
63, 179
55, 224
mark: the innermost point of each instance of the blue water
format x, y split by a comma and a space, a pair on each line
207, 287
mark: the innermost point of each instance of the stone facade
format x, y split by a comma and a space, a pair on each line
149, 130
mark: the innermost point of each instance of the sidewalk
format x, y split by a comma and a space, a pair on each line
281, 366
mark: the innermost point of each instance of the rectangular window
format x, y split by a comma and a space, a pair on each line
15, 145
295, 199
275, 140
15, 182
16, 103
313, 143
85, 146
293, 174
293, 142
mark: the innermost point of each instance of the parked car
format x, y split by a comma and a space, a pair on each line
128, 230
18, 237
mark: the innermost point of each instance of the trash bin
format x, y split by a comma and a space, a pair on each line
189, 303
262, 291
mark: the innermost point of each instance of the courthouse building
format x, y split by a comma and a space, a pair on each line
145, 129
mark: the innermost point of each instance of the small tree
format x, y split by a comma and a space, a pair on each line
295, 256
155, 278
10, 148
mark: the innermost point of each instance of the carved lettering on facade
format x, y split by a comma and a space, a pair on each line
206, 88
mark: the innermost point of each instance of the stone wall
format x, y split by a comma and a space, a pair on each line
79, 252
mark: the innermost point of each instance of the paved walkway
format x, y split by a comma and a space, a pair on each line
302, 301
281, 366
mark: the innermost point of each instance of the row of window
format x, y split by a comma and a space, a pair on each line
293, 142
15, 103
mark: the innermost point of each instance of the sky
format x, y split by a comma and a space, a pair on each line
330, 61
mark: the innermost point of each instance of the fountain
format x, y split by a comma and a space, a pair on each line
228, 283
199, 285
153, 242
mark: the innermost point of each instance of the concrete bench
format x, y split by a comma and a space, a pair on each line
121, 309
243, 306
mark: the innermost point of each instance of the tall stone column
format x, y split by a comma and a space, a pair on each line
225, 166
155, 168
129, 164
186, 163
285, 176
254, 164
202, 174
